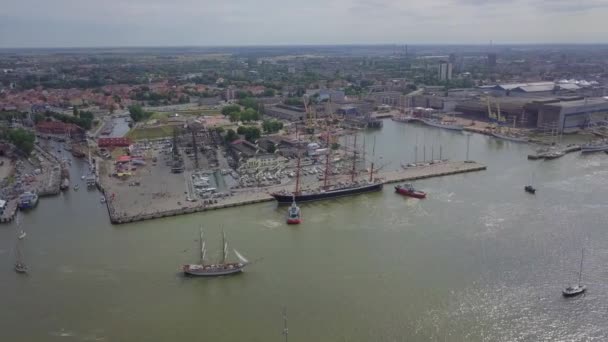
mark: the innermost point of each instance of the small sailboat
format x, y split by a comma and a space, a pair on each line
219, 269
76, 187
21, 235
572, 291
103, 199
294, 213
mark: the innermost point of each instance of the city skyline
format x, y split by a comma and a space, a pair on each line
36, 23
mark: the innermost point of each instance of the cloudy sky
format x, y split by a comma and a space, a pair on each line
75, 23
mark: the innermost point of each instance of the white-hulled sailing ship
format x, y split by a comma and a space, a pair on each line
20, 266
219, 269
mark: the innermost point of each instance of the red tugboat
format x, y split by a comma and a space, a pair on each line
293, 214
408, 190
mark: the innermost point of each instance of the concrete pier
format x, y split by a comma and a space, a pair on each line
251, 196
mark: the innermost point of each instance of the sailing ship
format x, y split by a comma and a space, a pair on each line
214, 270
294, 214
530, 189
572, 291
408, 190
327, 191
510, 137
20, 266
596, 146
442, 124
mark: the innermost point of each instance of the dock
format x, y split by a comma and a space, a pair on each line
547, 155
252, 196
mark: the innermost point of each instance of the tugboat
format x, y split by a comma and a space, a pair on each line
408, 190
294, 214
219, 269
530, 189
573, 291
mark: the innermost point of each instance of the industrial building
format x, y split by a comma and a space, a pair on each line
573, 115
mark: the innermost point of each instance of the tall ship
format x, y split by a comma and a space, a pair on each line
221, 268
327, 191
596, 146
442, 124
510, 137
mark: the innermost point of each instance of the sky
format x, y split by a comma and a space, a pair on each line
90, 23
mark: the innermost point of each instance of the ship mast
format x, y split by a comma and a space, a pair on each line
354, 171
202, 248
224, 247
327, 156
285, 330
371, 170
297, 190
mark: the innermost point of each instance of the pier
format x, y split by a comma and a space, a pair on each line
118, 209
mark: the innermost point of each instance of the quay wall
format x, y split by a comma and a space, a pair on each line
408, 174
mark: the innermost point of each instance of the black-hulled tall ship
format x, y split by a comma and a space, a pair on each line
219, 269
327, 191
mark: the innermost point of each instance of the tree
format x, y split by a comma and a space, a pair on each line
268, 93
249, 102
227, 110
231, 135
75, 111
252, 133
235, 116
249, 114
241, 130
22, 139
271, 147
272, 126
294, 101
137, 113
335, 146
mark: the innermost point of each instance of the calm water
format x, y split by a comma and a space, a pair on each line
479, 260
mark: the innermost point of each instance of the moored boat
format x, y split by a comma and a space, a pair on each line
408, 190
530, 189
510, 137
28, 200
597, 146
214, 270
442, 124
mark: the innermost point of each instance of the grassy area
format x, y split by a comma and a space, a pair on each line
150, 133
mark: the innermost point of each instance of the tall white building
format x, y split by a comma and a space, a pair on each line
445, 71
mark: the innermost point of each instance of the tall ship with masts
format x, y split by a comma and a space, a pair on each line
328, 191
218, 269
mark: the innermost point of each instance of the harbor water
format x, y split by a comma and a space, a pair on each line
478, 260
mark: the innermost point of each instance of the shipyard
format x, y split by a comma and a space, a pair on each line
393, 192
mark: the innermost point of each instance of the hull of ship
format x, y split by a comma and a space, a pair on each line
212, 272
29, 205
508, 138
288, 198
438, 125
594, 149
294, 221
415, 194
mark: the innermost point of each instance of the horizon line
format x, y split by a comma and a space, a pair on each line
279, 45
